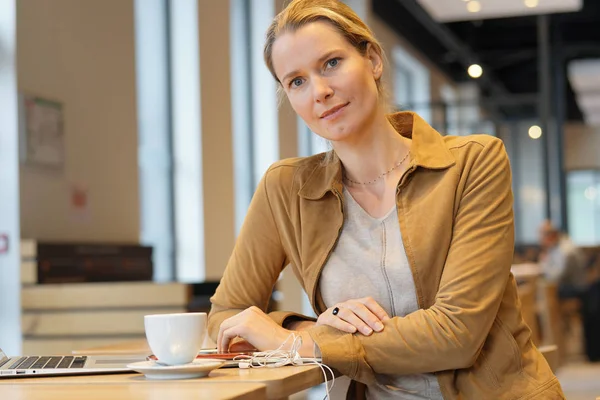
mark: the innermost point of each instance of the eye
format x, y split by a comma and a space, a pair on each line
295, 82
333, 62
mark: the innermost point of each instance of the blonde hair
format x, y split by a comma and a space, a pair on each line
302, 12
299, 13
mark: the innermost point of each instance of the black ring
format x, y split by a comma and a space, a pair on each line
335, 311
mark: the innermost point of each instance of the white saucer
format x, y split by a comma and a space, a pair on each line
196, 369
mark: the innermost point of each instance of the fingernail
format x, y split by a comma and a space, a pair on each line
385, 319
367, 331
378, 326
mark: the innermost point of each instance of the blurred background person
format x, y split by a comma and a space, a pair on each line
562, 262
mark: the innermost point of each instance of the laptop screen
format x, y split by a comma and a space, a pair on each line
3, 357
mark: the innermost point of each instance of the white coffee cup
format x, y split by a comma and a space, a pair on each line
175, 338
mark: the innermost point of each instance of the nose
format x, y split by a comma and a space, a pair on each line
321, 89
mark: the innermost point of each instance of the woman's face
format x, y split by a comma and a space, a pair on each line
327, 81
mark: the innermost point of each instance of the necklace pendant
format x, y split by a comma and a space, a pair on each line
380, 176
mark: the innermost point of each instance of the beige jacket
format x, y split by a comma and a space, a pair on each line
455, 211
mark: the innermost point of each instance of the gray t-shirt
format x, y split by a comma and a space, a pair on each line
369, 260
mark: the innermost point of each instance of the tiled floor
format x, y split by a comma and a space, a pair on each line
580, 380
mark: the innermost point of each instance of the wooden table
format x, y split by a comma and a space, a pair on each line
123, 386
224, 383
526, 271
280, 382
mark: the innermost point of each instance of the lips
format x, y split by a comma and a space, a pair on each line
333, 110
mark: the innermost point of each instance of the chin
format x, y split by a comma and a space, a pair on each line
338, 133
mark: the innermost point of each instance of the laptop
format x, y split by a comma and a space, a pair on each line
11, 367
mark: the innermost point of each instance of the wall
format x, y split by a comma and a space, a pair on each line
217, 146
81, 53
581, 144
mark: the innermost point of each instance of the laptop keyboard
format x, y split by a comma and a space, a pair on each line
35, 362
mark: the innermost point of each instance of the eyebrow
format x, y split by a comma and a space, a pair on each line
319, 61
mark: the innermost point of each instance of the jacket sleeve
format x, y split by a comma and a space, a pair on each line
451, 333
257, 260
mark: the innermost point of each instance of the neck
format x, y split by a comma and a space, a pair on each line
374, 151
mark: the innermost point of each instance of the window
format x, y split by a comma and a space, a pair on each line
154, 134
241, 74
527, 165
405, 92
10, 283
170, 152
412, 89
468, 116
187, 141
583, 207
254, 97
451, 110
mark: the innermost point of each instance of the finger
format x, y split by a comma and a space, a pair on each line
228, 335
365, 314
375, 308
219, 338
349, 316
329, 319
225, 325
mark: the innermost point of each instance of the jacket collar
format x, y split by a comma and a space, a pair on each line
427, 151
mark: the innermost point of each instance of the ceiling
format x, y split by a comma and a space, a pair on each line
507, 48
584, 77
457, 10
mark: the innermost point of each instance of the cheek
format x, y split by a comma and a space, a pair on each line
302, 105
369, 88
356, 86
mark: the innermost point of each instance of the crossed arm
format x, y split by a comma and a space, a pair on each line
448, 335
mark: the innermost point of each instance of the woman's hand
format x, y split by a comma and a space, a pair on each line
238, 345
255, 328
363, 315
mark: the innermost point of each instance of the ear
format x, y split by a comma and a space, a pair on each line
376, 61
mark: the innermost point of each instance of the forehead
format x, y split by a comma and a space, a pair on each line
301, 48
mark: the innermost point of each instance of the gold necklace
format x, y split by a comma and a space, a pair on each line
380, 176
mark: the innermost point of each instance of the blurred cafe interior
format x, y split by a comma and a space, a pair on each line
133, 134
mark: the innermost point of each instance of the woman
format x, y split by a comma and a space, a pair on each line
402, 238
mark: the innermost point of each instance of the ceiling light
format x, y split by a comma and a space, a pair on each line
590, 193
592, 118
531, 3
475, 71
535, 132
474, 6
